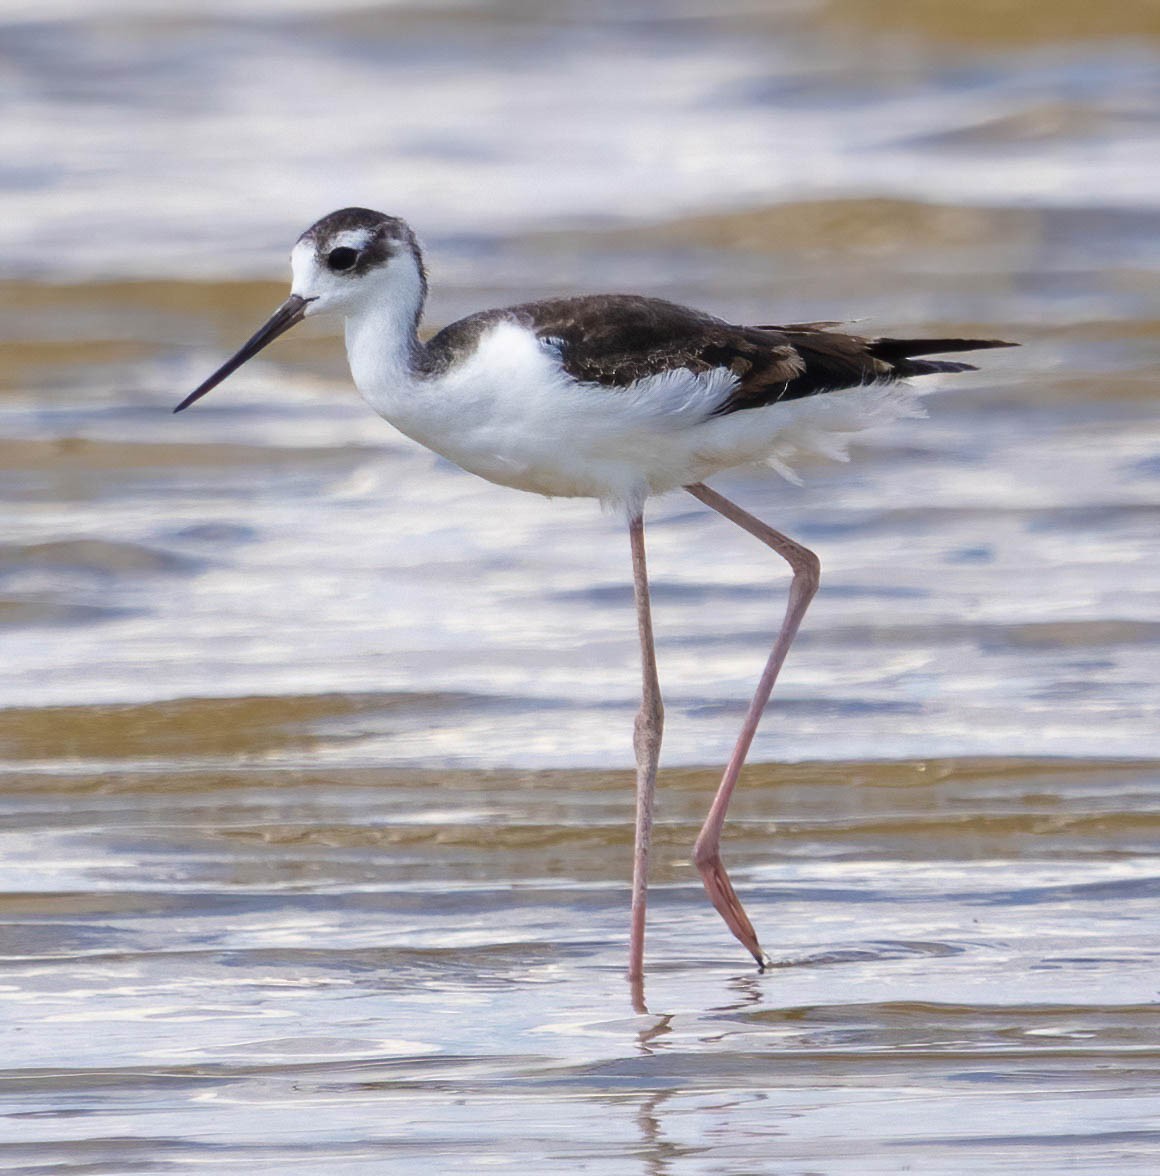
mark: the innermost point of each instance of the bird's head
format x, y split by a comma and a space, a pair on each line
347, 263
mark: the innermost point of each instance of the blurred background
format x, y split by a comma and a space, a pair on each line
918, 167
312, 747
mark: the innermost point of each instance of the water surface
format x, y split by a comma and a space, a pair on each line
316, 809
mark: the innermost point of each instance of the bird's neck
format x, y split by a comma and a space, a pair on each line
382, 335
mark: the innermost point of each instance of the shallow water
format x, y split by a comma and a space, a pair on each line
383, 970
316, 816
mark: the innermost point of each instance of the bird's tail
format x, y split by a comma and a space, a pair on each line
901, 353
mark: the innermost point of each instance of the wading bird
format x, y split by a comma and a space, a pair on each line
616, 397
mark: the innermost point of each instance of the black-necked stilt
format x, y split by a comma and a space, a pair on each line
615, 397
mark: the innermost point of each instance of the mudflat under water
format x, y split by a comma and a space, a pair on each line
315, 801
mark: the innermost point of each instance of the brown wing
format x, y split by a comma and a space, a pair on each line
617, 339
831, 360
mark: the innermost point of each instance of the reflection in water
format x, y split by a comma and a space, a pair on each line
749, 989
649, 1038
657, 1154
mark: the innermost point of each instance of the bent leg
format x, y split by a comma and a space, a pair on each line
707, 851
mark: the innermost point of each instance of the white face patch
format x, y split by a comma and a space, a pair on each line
375, 273
303, 269
305, 256
356, 239
311, 277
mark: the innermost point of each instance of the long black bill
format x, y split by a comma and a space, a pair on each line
292, 311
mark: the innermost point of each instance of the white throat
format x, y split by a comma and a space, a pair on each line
382, 343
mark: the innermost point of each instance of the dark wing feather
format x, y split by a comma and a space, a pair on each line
832, 360
617, 339
900, 353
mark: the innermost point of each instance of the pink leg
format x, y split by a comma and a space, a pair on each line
707, 850
647, 743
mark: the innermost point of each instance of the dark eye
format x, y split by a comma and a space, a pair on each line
341, 258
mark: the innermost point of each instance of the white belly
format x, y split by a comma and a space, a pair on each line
512, 415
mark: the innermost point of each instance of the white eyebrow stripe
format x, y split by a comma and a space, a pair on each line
357, 239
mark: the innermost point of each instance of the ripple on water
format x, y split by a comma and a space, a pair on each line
315, 816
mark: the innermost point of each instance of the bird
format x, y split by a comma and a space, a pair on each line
616, 397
